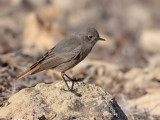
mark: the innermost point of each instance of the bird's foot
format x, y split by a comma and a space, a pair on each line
72, 91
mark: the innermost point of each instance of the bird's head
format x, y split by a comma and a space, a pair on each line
90, 35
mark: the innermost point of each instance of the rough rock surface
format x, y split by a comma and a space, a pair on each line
49, 101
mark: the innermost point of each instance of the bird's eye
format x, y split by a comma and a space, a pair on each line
90, 36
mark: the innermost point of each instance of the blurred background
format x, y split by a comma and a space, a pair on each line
127, 65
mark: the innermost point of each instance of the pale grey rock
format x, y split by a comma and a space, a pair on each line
50, 102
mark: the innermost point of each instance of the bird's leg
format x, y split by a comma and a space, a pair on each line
68, 77
62, 74
71, 90
73, 80
72, 85
70, 80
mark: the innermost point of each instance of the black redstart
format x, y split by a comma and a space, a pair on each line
66, 54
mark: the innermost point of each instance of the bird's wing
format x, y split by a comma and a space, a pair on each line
64, 51
54, 59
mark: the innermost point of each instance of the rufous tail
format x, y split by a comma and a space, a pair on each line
27, 72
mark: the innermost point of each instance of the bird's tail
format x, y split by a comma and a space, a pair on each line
27, 72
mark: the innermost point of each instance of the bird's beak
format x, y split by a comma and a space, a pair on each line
101, 39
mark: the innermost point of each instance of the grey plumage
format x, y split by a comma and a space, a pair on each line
66, 54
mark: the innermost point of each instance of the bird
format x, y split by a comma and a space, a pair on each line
66, 54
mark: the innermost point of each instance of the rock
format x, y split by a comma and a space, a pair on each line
50, 102
150, 40
149, 102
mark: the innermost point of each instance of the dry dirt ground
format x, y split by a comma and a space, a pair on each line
127, 65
